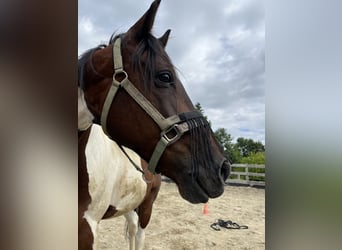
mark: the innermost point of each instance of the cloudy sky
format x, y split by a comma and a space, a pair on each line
218, 47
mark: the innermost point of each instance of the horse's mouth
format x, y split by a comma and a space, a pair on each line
196, 193
196, 196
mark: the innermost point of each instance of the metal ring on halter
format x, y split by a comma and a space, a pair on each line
116, 73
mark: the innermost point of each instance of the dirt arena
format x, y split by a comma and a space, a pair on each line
178, 225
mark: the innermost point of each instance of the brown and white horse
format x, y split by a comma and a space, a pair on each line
115, 186
131, 88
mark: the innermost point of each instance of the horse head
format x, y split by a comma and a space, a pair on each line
132, 89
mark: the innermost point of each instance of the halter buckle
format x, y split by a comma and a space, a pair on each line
172, 134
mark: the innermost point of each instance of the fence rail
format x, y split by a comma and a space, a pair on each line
243, 177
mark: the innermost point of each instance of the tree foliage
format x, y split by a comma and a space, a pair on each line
226, 141
200, 109
248, 146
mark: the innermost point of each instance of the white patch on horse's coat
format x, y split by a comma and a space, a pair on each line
139, 238
113, 180
85, 117
132, 227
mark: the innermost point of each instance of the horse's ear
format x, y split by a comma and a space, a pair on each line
144, 25
164, 38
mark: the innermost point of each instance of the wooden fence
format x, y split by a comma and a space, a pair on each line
245, 177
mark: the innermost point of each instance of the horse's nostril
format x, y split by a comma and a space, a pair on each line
225, 170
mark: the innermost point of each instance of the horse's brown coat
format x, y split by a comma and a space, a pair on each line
85, 236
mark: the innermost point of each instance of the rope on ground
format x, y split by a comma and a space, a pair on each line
226, 224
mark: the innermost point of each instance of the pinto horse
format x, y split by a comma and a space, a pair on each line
117, 188
116, 185
131, 89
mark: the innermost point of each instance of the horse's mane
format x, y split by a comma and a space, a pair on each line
149, 45
82, 60
87, 55
153, 48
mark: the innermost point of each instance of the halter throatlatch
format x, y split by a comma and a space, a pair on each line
172, 128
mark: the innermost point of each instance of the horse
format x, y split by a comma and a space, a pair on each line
115, 183
131, 89
117, 188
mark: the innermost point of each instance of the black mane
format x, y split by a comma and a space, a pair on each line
82, 60
153, 48
149, 45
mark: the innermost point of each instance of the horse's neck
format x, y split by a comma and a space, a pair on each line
113, 180
85, 117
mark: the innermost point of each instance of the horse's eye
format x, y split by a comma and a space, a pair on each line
164, 79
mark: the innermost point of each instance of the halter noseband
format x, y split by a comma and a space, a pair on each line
176, 123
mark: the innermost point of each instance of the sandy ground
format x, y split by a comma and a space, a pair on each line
177, 224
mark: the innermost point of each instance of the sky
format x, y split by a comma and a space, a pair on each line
217, 46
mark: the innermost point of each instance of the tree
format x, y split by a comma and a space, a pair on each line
200, 109
248, 146
224, 138
226, 141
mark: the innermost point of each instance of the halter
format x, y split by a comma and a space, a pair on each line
172, 128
